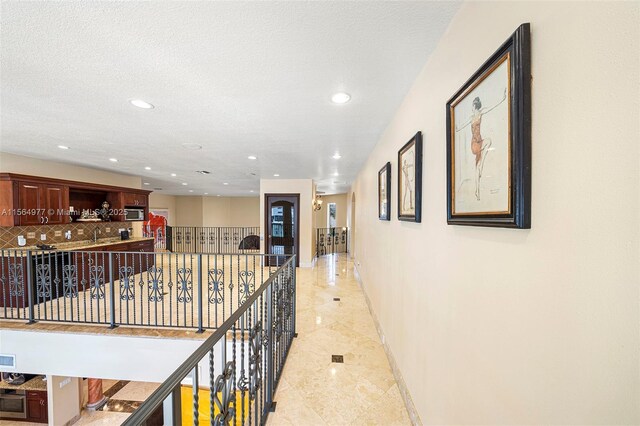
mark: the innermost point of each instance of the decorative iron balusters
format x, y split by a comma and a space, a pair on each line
16, 279
127, 283
185, 285
155, 284
215, 285
43, 280
247, 285
69, 278
96, 280
223, 398
252, 384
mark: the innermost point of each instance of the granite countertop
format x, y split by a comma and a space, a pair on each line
87, 244
38, 383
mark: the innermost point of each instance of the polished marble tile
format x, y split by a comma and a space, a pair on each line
92, 418
314, 390
136, 391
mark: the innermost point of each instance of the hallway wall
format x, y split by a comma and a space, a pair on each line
539, 326
341, 210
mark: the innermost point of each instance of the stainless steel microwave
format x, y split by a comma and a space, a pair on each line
134, 214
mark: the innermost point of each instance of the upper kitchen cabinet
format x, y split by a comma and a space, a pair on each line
33, 200
41, 204
132, 199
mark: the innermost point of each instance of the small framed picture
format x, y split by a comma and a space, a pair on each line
384, 192
489, 141
410, 180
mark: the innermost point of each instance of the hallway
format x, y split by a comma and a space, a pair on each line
314, 390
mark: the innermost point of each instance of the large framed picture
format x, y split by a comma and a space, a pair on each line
489, 141
410, 180
384, 192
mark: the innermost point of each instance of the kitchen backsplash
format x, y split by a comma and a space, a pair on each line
55, 233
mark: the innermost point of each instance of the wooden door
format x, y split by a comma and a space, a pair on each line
31, 204
282, 227
56, 202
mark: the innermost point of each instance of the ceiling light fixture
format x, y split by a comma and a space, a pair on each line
173, 174
276, 175
63, 147
226, 183
251, 190
147, 168
141, 104
191, 190
113, 160
341, 98
252, 157
336, 156
146, 183
336, 174
206, 193
184, 183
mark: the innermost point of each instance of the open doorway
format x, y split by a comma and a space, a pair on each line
282, 227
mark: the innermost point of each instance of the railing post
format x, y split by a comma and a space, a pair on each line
112, 294
295, 294
29, 286
200, 312
270, 366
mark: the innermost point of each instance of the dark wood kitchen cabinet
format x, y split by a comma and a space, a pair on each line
34, 200
37, 407
41, 204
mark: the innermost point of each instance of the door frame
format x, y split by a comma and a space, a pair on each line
267, 228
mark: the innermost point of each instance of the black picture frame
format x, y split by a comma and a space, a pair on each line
515, 211
412, 173
384, 176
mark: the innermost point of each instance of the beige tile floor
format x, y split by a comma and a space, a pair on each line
315, 391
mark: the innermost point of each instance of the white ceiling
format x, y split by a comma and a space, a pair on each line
237, 78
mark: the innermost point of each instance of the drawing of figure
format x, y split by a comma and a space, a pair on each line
479, 145
408, 185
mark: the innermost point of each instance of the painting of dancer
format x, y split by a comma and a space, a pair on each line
410, 180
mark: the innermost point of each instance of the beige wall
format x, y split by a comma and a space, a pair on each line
161, 201
189, 211
341, 206
31, 166
64, 402
211, 211
306, 188
539, 326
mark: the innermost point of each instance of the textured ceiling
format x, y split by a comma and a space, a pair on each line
237, 78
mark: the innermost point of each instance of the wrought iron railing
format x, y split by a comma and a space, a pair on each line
332, 240
203, 239
232, 377
159, 289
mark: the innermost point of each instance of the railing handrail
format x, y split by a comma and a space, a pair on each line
175, 379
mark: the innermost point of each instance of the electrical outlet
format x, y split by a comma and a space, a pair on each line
43, 237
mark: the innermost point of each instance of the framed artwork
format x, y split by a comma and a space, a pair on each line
410, 180
489, 141
384, 192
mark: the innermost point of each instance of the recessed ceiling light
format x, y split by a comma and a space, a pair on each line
336, 174
341, 98
336, 156
251, 190
190, 145
206, 193
146, 183
217, 195
147, 168
113, 160
226, 183
185, 183
141, 104
252, 157
276, 175
191, 190
173, 174
63, 147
